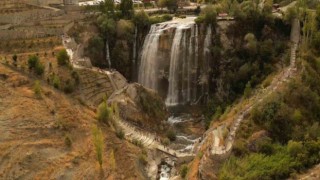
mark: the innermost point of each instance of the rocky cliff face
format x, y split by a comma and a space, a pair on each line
141, 106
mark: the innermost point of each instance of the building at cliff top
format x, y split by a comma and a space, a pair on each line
48, 2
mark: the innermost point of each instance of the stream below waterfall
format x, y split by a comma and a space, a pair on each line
188, 128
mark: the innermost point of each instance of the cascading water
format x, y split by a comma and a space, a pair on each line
135, 46
148, 71
177, 73
173, 92
206, 55
108, 54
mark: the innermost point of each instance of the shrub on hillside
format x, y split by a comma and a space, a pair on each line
171, 134
14, 58
67, 140
208, 15
104, 112
68, 87
141, 19
98, 144
143, 159
184, 171
63, 57
56, 82
39, 69
37, 88
120, 134
33, 61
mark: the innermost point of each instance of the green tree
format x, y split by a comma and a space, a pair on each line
125, 29
291, 14
33, 61
107, 7
297, 116
56, 82
247, 90
251, 43
107, 25
172, 5
39, 69
98, 144
95, 50
295, 148
208, 15
318, 16
63, 57
126, 8
104, 112
316, 41
162, 3
141, 19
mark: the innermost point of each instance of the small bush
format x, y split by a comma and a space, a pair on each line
160, 19
120, 134
171, 134
104, 113
63, 57
98, 143
37, 88
39, 69
76, 77
184, 171
137, 142
67, 141
33, 61
248, 90
143, 159
69, 87
165, 141
14, 58
56, 82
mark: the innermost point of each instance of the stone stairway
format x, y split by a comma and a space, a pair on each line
95, 83
148, 140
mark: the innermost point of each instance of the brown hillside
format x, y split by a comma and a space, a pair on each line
33, 132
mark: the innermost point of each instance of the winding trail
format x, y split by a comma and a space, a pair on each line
220, 145
148, 140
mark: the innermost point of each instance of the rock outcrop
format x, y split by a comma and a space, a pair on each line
140, 106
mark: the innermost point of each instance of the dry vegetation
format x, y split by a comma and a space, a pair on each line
43, 137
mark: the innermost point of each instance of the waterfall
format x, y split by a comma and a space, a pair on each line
148, 72
173, 91
108, 54
180, 67
204, 80
195, 70
206, 46
134, 46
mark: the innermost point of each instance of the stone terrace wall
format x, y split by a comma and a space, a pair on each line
28, 16
29, 34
